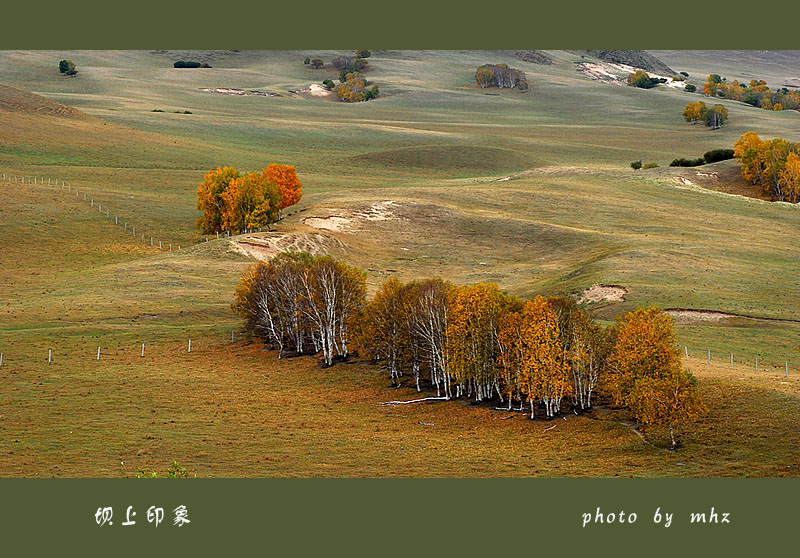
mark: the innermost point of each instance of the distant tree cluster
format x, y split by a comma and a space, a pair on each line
772, 164
355, 88
190, 64
231, 201
67, 67
642, 79
474, 341
713, 117
500, 75
350, 64
756, 93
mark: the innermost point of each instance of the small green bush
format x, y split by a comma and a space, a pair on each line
636, 165
717, 155
682, 162
67, 67
690, 88
650, 166
317, 63
156, 110
328, 84
185, 64
307, 61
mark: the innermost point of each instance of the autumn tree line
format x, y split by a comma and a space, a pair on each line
472, 341
773, 164
755, 93
232, 201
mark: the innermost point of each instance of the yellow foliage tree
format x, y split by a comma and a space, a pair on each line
747, 150
644, 348
646, 374
790, 178
474, 316
695, 111
383, 333
668, 401
544, 370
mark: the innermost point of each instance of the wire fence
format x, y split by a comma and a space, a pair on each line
92, 198
139, 349
739, 361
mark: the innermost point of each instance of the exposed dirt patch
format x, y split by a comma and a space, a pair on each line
724, 177
240, 92
264, 246
603, 293
353, 220
617, 74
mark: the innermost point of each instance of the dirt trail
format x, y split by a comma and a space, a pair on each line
690, 314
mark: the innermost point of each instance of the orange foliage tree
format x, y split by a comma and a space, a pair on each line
285, 178
233, 202
250, 201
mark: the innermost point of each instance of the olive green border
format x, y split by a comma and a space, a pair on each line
400, 517
437, 24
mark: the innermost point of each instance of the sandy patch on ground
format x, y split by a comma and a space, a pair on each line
317, 90
617, 74
239, 92
352, 220
264, 246
600, 293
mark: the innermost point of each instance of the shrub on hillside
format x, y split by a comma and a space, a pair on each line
328, 84
690, 88
642, 79
636, 165
317, 63
650, 166
682, 162
67, 67
190, 64
307, 61
717, 155
363, 53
